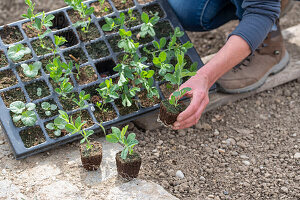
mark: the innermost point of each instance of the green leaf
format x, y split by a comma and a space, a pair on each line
116, 131
48, 113
50, 126
193, 67
156, 45
17, 118
46, 106
17, 52
112, 138
29, 118
57, 133
17, 107
70, 128
163, 42
131, 137
53, 107
176, 94
145, 17
124, 153
162, 56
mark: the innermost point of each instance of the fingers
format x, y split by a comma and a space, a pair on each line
193, 107
193, 119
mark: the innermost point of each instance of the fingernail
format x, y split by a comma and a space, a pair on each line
177, 124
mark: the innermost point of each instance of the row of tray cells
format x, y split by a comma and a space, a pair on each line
12, 34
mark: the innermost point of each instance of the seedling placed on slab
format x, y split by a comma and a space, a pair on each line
23, 112
31, 70
47, 107
84, 12
118, 136
82, 97
17, 52
108, 93
147, 26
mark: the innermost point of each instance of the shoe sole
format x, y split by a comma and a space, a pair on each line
275, 69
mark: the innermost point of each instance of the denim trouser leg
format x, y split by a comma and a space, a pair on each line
204, 15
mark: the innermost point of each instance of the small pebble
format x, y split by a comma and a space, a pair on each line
4, 171
216, 133
225, 192
179, 174
221, 150
297, 155
244, 157
284, 189
202, 178
246, 162
1, 142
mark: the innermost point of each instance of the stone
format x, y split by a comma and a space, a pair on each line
59, 190
244, 131
221, 150
202, 178
217, 132
181, 133
230, 141
297, 155
244, 156
179, 174
204, 126
246, 162
284, 190
2, 142
139, 189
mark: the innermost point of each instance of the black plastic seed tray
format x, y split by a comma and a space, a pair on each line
24, 89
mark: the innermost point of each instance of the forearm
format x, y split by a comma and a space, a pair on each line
233, 52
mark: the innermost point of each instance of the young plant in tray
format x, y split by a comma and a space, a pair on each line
82, 97
118, 22
101, 4
135, 73
91, 152
84, 12
147, 26
171, 108
23, 112
30, 12
128, 161
17, 52
31, 70
47, 107
108, 93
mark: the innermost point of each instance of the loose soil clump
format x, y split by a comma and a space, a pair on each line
129, 168
168, 113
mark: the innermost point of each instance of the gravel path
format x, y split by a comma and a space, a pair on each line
246, 150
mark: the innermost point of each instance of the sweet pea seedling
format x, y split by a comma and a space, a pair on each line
17, 52
108, 92
32, 70
82, 97
118, 136
147, 26
23, 112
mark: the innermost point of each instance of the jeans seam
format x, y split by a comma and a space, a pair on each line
202, 14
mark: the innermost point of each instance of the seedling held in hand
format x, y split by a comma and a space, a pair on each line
32, 70
17, 52
23, 112
118, 136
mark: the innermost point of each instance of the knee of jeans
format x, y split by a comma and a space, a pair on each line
187, 18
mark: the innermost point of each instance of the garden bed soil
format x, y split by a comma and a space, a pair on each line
122, 6
151, 10
7, 79
67, 103
11, 34
3, 60
99, 11
104, 116
36, 45
32, 136
31, 32
168, 113
97, 50
12, 95
25, 78
91, 159
41, 111
31, 89
126, 110
91, 35
147, 102
87, 75
78, 54
129, 168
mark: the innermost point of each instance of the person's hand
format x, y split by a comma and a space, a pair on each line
199, 94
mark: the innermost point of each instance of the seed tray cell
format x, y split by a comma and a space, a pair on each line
95, 53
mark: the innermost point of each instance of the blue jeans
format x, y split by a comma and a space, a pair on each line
205, 15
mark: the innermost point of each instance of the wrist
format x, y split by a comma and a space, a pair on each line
204, 75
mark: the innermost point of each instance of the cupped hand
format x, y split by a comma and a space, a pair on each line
199, 94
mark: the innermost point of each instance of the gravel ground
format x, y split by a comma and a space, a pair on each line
246, 150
